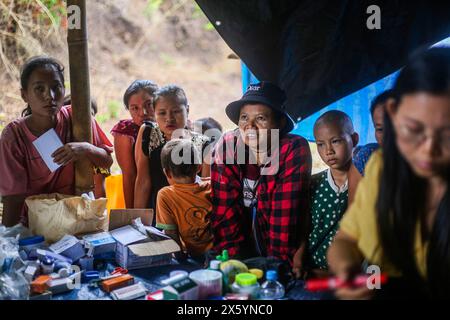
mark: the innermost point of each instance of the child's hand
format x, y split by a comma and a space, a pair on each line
70, 152
298, 264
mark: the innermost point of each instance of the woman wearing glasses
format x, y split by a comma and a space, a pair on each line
400, 218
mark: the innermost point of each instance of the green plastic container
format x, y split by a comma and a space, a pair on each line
246, 283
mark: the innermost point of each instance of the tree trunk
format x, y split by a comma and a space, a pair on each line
80, 91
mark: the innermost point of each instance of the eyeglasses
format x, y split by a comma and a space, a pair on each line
418, 136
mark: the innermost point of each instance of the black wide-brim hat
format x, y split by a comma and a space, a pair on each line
265, 93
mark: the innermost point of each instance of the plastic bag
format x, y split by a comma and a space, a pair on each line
55, 215
9, 254
14, 286
18, 231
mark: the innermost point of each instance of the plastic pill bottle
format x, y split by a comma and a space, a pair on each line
246, 283
47, 265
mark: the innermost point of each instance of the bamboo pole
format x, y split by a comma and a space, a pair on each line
80, 91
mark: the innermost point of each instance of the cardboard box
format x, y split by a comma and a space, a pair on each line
161, 295
60, 285
118, 282
184, 289
30, 273
123, 217
129, 293
40, 284
136, 250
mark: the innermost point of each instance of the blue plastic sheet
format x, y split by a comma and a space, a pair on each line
356, 105
247, 77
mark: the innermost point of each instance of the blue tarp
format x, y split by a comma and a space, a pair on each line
356, 105
322, 51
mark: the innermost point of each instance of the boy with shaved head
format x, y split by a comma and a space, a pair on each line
335, 139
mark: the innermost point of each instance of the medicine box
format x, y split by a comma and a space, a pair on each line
118, 282
70, 247
184, 289
136, 250
129, 293
102, 243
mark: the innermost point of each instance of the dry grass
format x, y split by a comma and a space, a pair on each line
170, 45
27, 28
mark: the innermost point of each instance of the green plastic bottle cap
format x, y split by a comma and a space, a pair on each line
225, 255
246, 279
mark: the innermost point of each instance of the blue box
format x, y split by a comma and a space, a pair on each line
103, 243
70, 247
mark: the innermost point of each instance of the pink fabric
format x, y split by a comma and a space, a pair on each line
22, 170
126, 128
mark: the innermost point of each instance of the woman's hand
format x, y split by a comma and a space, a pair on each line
344, 260
359, 293
70, 152
346, 272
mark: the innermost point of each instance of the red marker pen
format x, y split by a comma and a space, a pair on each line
336, 283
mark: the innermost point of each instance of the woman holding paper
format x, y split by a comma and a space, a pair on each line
23, 170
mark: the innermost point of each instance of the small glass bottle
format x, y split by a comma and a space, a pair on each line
47, 265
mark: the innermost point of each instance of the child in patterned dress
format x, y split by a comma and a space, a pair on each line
335, 139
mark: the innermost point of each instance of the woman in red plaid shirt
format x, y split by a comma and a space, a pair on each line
260, 179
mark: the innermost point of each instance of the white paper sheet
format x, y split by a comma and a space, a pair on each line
46, 144
153, 230
127, 235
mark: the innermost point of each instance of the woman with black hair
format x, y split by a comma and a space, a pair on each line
23, 171
400, 218
171, 114
138, 100
361, 154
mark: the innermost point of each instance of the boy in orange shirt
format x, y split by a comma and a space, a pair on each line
184, 207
